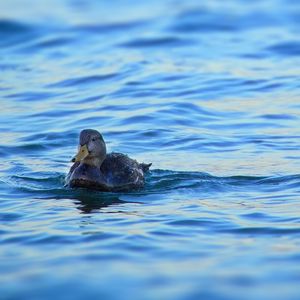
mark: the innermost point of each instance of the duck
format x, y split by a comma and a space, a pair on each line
94, 169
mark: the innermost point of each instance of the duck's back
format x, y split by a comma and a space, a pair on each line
122, 172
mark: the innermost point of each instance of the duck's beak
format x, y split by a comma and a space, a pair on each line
82, 153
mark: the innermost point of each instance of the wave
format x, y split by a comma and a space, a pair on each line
160, 181
8, 27
157, 42
289, 48
13, 32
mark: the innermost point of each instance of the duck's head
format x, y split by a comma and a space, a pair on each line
91, 149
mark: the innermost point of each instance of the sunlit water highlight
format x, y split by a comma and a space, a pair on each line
209, 93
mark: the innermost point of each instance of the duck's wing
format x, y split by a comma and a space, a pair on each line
122, 172
74, 166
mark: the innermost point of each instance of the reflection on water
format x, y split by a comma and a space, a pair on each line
208, 92
88, 203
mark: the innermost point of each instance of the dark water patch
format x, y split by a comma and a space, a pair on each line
85, 80
182, 142
157, 42
164, 233
161, 180
143, 119
183, 109
9, 217
143, 137
253, 56
4, 89
292, 258
268, 87
51, 114
90, 99
13, 27
104, 257
37, 184
280, 179
95, 202
172, 119
134, 83
264, 217
167, 180
109, 28
204, 223
28, 148
203, 26
48, 43
255, 216
238, 127
14, 33
89, 122
53, 138
204, 20
201, 142
42, 239
279, 117
128, 92
218, 87
261, 231
258, 138
232, 81
48, 179
286, 49
122, 107
154, 133
175, 78
10, 66
33, 96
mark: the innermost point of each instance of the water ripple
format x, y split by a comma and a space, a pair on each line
290, 48
86, 80
157, 42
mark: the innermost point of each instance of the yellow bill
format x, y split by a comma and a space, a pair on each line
82, 153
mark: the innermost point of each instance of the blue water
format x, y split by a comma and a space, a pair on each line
208, 91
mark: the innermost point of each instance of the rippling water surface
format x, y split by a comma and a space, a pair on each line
208, 91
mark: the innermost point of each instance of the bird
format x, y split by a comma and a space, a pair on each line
94, 169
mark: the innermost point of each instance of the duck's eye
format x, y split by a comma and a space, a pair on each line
93, 139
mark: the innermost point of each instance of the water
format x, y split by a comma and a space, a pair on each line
208, 92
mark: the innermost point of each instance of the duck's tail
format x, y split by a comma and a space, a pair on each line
145, 167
